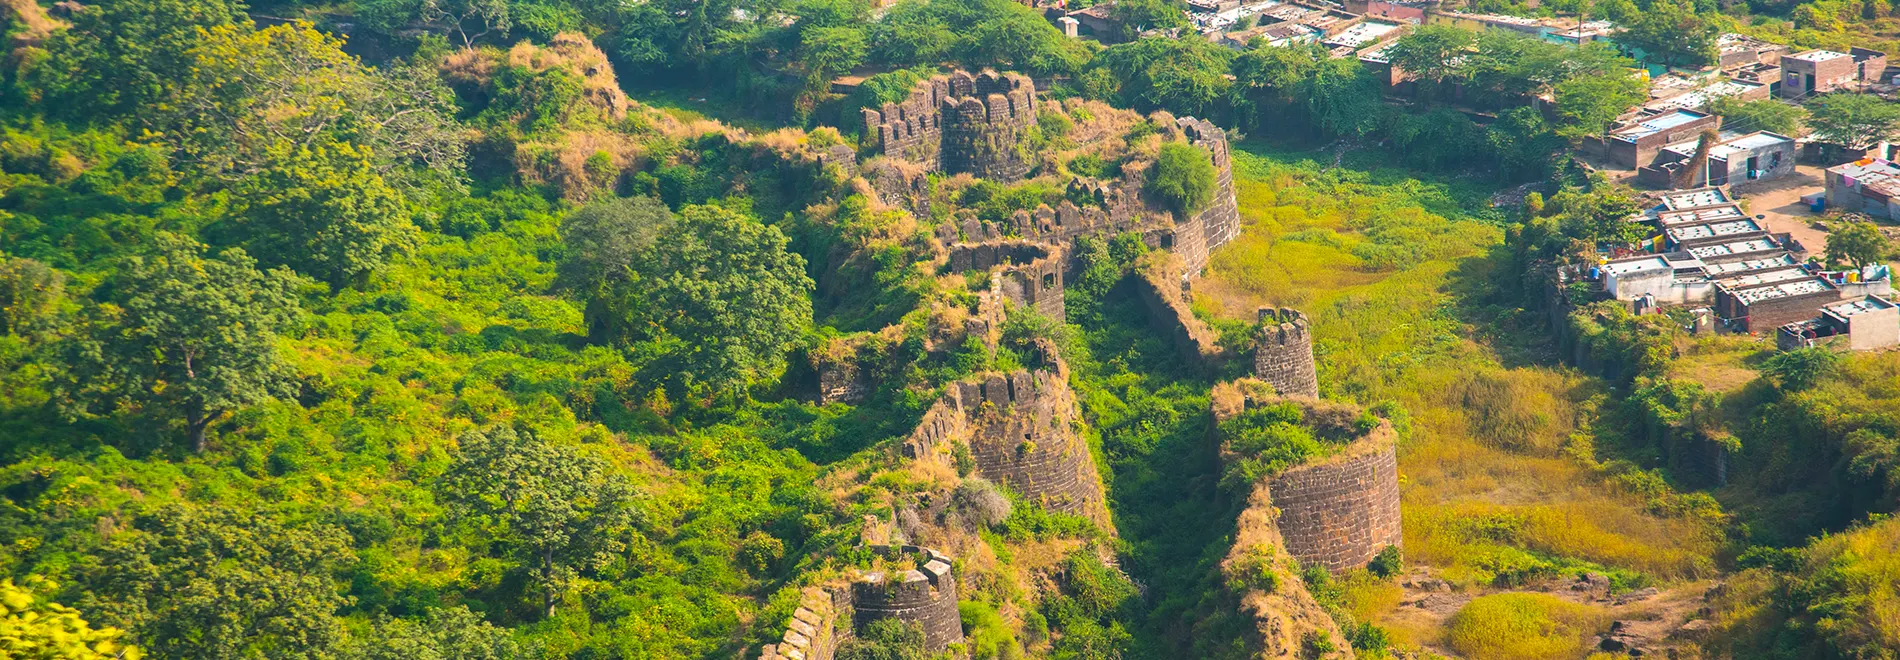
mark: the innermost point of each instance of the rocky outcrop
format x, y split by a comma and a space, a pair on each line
1287, 620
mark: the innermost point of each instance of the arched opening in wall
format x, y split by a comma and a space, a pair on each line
1048, 281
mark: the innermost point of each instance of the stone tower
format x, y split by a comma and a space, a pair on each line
926, 595
1283, 352
959, 123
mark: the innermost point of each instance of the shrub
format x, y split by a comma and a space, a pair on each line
1389, 562
1183, 178
1522, 625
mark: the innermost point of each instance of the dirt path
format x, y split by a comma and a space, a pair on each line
1645, 622
1779, 202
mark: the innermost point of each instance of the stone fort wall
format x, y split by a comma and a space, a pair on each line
1161, 289
1020, 430
1339, 511
959, 123
826, 616
1025, 273
925, 595
1283, 352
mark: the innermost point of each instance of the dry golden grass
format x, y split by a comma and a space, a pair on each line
1719, 363
1524, 626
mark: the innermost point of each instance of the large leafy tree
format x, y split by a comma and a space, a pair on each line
1137, 16
1671, 33
1341, 96
1187, 76
1760, 115
1855, 121
1265, 91
452, 633
30, 296
325, 212
1589, 105
217, 583
559, 511
187, 336
122, 57
33, 628
249, 95
1857, 244
714, 288
1430, 54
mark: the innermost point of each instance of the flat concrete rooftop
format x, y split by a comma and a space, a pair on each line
1791, 289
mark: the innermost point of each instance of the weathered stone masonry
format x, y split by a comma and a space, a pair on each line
1340, 513
926, 595
1020, 430
1283, 352
959, 123
1030, 273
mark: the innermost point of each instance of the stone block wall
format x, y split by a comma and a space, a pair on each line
1340, 513
1283, 352
1220, 221
813, 633
926, 595
1024, 273
1160, 290
1020, 429
911, 129
959, 123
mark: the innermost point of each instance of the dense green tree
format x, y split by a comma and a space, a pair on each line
252, 94
216, 583
189, 336
1803, 368
607, 242
1760, 115
452, 633
1589, 105
724, 285
1342, 97
1134, 17
1430, 54
1854, 121
1184, 178
34, 628
557, 510
325, 212
1671, 33
1265, 91
121, 58
1856, 243
30, 296
1187, 76
467, 21
1600, 214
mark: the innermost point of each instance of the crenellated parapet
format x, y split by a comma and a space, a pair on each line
1019, 430
925, 595
959, 123
1220, 221
1283, 352
815, 630
1337, 511
1022, 272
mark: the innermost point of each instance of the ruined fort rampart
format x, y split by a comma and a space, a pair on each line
1159, 285
1283, 352
826, 616
959, 123
1020, 430
1024, 273
925, 595
1338, 511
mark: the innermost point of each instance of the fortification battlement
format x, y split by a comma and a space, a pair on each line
813, 633
958, 123
1339, 511
1026, 273
926, 595
1283, 352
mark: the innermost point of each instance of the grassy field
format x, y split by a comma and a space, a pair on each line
1501, 481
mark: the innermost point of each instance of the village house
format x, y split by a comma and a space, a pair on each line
1868, 185
1859, 324
1637, 142
1821, 71
1736, 51
1736, 159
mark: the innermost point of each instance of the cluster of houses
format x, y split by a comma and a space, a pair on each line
1713, 257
